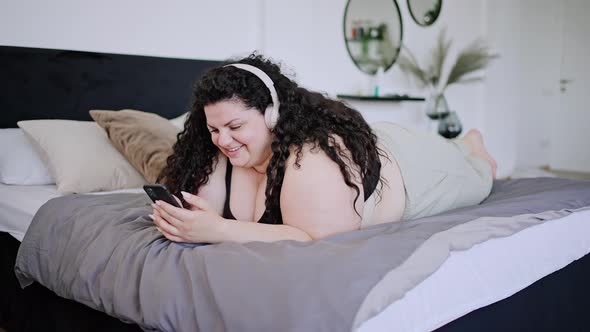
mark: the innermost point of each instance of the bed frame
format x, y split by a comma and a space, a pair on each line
60, 84
42, 83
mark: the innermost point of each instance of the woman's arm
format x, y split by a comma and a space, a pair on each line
244, 231
315, 198
214, 190
315, 203
202, 224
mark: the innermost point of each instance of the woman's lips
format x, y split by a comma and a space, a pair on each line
233, 152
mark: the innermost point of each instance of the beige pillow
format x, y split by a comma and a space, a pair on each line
80, 157
180, 120
145, 139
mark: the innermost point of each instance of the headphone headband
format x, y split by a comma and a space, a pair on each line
271, 113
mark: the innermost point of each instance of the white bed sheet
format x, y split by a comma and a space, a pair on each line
487, 273
468, 280
18, 205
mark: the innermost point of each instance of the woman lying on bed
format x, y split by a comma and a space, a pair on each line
288, 163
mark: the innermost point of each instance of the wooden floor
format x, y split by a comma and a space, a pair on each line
571, 175
547, 172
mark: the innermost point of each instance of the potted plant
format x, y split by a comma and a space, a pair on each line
475, 57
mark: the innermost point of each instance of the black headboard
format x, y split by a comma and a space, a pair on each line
58, 84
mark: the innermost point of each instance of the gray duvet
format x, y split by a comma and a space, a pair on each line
104, 251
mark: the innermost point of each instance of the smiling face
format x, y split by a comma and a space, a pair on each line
240, 133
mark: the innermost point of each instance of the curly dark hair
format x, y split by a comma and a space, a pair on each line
305, 117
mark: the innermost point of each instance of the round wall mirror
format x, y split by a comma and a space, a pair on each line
373, 33
424, 12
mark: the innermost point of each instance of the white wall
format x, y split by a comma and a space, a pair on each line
522, 89
177, 28
307, 36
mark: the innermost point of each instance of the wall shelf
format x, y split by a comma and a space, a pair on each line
381, 98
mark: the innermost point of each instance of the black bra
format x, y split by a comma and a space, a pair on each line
227, 214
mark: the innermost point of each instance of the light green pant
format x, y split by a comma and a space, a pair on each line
438, 174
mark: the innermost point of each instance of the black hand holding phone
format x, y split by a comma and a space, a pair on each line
159, 192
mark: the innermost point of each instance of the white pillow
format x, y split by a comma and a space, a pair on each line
80, 157
20, 164
179, 121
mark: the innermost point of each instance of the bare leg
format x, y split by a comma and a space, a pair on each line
474, 141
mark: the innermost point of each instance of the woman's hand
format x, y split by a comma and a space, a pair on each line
198, 223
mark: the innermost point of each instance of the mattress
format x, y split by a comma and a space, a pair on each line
487, 273
18, 205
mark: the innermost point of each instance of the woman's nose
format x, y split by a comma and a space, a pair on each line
224, 138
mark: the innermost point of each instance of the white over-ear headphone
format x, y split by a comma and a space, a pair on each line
271, 113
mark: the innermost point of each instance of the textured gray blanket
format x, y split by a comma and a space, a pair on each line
103, 251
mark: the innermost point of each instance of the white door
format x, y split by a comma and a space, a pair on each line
570, 144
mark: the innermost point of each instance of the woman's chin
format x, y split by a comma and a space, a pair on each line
239, 162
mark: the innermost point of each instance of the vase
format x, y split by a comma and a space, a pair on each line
436, 107
450, 126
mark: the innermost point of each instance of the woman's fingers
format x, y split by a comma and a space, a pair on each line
177, 200
178, 213
163, 224
182, 225
164, 228
195, 201
168, 213
170, 236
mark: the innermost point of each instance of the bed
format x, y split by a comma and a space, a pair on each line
528, 275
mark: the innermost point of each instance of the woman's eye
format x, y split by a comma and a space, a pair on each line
213, 131
235, 127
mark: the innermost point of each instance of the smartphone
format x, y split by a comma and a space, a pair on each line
159, 192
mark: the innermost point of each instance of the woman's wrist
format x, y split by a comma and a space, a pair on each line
219, 231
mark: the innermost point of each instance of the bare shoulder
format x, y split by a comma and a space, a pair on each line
315, 197
318, 164
315, 156
310, 166
214, 190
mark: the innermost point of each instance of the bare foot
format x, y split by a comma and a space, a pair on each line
474, 141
